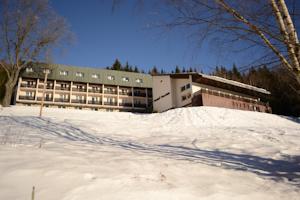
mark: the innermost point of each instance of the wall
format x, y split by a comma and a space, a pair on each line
162, 101
177, 93
218, 101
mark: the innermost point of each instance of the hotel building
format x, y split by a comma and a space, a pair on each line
195, 89
85, 88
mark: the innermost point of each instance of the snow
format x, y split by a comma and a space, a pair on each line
188, 153
236, 83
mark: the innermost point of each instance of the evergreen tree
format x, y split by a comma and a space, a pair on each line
130, 68
126, 67
183, 70
154, 71
236, 75
117, 65
177, 69
136, 69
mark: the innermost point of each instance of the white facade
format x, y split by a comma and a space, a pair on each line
178, 90
171, 93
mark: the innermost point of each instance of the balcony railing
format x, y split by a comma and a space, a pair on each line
95, 91
95, 102
27, 85
110, 92
45, 99
62, 88
78, 101
49, 87
26, 98
140, 105
125, 104
110, 103
125, 93
139, 94
62, 100
79, 89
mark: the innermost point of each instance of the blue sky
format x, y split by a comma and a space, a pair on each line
101, 36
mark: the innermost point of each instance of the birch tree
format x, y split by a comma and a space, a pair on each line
28, 30
265, 24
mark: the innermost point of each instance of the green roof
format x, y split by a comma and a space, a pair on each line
87, 75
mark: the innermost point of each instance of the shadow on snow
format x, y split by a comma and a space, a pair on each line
288, 169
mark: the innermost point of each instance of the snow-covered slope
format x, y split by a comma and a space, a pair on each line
189, 153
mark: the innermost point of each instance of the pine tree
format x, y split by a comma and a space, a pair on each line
126, 67
154, 71
117, 65
177, 69
236, 75
136, 69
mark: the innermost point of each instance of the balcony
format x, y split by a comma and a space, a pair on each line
125, 93
139, 94
110, 92
78, 101
61, 100
95, 102
140, 105
45, 99
48, 87
62, 88
26, 98
95, 90
25, 85
79, 89
110, 103
125, 104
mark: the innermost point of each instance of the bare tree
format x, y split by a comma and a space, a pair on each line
266, 25
29, 28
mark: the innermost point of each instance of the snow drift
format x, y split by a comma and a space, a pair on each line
188, 153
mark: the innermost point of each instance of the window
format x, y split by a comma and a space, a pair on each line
110, 77
79, 98
63, 96
110, 100
95, 76
126, 79
63, 85
188, 86
79, 74
29, 69
29, 94
183, 98
48, 71
189, 95
63, 73
182, 88
30, 83
139, 80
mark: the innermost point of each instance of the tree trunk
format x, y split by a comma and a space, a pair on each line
9, 88
8, 94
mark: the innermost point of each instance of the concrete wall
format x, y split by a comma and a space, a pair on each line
218, 101
162, 93
178, 94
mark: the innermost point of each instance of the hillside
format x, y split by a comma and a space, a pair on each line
188, 153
